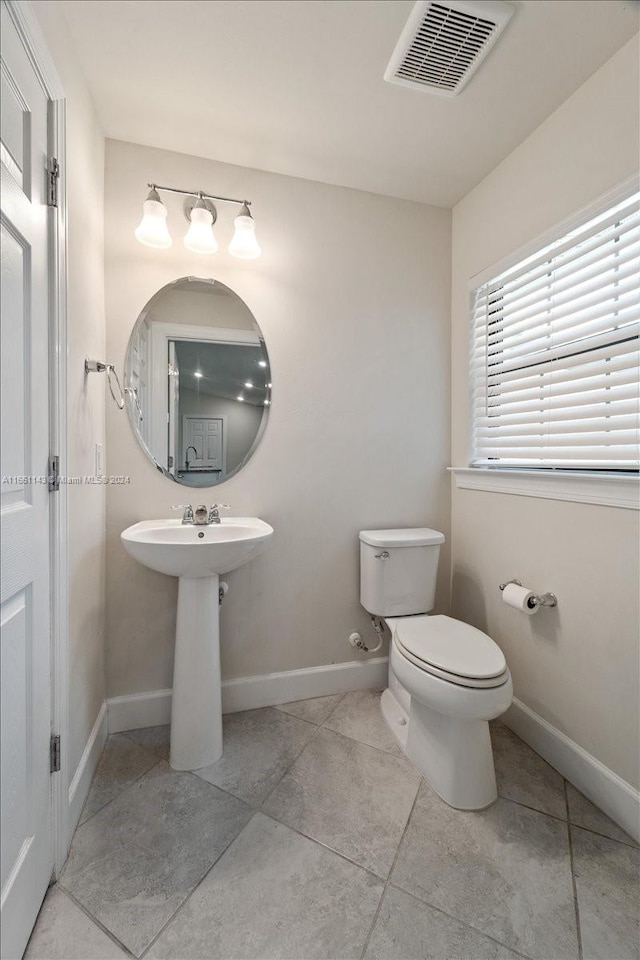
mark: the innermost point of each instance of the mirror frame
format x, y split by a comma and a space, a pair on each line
131, 401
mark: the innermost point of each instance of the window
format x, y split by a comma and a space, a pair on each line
555, 366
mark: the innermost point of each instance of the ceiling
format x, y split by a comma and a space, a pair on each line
226, 368
296, 86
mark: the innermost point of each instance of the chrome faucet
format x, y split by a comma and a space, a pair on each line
187, 516
186, 455
201, 517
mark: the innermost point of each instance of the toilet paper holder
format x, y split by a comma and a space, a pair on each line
544, 600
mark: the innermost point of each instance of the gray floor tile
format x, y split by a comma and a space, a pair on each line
407, 929
583, 813
64, 932
524, 776
154, 739
350, 796
274, 894
259, 745
315, 711
133, 864
608, 887
121, 764
505, 871
358, 716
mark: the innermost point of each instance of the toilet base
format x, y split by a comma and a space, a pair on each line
453, 755
395, 717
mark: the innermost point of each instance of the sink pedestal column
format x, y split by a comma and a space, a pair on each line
196, 705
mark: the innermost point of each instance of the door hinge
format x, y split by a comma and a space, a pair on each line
53, 177
54, 473
54, 753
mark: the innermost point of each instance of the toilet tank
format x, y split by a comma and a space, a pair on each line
398, 570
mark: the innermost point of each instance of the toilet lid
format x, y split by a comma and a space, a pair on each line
451, 646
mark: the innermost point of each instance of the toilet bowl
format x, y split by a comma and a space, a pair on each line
446, 678
445, 732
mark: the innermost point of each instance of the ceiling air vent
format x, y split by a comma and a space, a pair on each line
443, 44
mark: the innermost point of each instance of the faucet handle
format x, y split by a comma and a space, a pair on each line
213, 511
187, 516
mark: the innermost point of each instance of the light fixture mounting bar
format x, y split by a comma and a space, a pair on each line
197, 193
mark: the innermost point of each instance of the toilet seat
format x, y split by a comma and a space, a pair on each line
451, 650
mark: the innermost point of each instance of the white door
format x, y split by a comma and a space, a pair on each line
204, 436
25, 655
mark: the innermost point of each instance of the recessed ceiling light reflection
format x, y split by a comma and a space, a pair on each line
262, 363
268, 386
249, 385
241, 399
267, 403
197, 374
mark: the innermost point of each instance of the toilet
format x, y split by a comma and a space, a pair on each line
446, 678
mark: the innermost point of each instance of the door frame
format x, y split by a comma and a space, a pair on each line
32, 37
161, 334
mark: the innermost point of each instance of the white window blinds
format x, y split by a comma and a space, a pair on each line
555, 366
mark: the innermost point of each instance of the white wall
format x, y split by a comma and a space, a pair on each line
577, 666
86, 397
352, 295
180, 305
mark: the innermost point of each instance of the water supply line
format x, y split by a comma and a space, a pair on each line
378, 626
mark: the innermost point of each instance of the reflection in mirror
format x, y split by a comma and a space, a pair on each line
197, 382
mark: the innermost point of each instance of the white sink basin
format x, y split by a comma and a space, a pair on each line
188, 550
197, 555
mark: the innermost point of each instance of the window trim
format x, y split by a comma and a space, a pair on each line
585, 489
601, 488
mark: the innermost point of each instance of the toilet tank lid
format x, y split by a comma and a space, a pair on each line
404, 537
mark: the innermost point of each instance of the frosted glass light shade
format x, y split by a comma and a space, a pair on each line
152, 229
199, 237
244, 244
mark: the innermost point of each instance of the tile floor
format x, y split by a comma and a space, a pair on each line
315, 837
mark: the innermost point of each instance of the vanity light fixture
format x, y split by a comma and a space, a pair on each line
244, 244
201, 214
152, 229
199, 238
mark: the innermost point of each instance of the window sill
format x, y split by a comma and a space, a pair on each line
579, 487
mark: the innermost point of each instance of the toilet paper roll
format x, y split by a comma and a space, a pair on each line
518, 597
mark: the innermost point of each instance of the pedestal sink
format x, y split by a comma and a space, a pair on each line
197, 555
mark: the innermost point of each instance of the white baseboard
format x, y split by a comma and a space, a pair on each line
613, 795
247, 693
81, 780
137, 710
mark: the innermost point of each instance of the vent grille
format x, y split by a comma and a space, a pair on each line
444, 43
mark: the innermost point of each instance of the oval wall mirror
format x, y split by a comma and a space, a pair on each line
197, 382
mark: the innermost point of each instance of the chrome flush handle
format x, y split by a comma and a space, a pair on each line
385, 555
